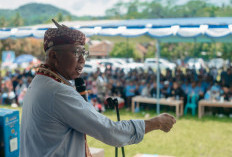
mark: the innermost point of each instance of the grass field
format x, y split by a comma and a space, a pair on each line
190, 137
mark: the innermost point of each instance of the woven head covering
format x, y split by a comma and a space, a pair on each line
62, 35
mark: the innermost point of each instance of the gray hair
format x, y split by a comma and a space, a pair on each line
53, 48
47, 53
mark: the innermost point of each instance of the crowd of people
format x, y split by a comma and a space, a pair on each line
178, 84
14, 86
209, 84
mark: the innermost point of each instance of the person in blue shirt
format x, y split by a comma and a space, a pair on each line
177, 92
213, 93
153, 91
129, 92
142, 86
187, 87
198, 90
165, 91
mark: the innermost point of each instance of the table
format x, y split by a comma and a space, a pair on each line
210, 103
170, 102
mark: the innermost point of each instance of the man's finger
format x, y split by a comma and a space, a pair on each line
167, 129
173, 119
172, 116
169, 124
168, 115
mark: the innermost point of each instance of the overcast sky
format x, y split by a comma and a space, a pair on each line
80, 7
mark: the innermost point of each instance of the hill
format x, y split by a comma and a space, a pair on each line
35, 13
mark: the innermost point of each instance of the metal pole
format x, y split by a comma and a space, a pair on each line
116, 151
114, 102
1, 80
118, 117
158, 77
215, 50
127, 42
195, 49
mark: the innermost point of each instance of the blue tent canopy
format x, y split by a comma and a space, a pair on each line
25, 58
217, 29
167, 22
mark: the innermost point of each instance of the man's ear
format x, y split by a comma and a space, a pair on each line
53, 58
53, 55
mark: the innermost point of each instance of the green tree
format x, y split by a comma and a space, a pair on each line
132, 9
116, 12
60, 17
123, 50
17, 20
195, 7
68, 18
3, 22
154, 10
150, 52
227, 51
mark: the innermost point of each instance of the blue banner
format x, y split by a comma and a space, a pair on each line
8, 57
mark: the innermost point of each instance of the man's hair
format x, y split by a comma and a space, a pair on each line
47, 53
53, 48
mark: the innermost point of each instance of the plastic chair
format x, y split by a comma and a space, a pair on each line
191, 103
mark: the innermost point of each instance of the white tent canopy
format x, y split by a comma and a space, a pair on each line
168, 34
165, 30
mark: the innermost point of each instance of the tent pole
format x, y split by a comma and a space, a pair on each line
215, 49
127, 42
158, 77
195, 49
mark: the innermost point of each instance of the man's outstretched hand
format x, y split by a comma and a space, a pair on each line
163, 122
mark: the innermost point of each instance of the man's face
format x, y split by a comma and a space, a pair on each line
68, 64
226, 89
175, 85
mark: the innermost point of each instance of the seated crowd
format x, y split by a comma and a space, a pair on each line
14, 86
178, 84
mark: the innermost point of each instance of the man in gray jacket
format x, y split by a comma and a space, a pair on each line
56, 118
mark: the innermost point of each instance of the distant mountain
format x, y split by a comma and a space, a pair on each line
36, 13
6, 13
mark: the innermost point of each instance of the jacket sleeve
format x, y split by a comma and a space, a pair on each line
74, 112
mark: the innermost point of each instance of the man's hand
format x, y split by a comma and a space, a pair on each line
163, 122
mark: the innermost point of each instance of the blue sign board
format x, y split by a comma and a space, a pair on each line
8, 57
9, 133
